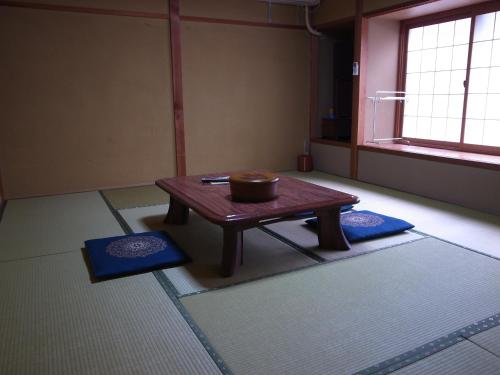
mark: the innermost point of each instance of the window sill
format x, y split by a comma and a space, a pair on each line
435, 154
331, 142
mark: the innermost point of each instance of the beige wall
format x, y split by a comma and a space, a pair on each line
381, 74
86, 101
246, 95
331, 159
466, 186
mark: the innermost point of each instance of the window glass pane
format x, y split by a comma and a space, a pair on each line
476, 106
412, 83
492, 133
436, 71
459, 60
438, 129
428, 60
462, 31
424, 105
427, 83
440, 106
474, 131
415, 39
453, 129
429, 39
455, 106
409, 126
443, 58
481, 54
413, 62
478, 80
457, 79
411, 105
442, 83
495, 53
424, 127
445, 34
484, 27
493, 107
497, 26
494, 85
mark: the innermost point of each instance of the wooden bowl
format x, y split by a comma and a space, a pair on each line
253, 186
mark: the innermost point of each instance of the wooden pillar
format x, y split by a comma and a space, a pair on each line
175, 47
358, 86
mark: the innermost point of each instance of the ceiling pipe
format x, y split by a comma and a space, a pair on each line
308, 24
306, 3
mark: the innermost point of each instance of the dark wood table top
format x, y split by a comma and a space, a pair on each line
214, 201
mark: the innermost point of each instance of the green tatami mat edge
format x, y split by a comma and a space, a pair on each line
343, 317
137, 196
33, 227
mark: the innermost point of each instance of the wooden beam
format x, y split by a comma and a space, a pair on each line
175, 47
2, 195
241, 22
358, 86
467, 77
397, 7
80, 9
401, 79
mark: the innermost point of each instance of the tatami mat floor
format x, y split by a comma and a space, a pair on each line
470, 228
53, 320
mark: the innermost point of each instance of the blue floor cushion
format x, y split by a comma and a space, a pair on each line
364, 225
134, 253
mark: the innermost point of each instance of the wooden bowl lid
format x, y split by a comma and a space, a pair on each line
253, 178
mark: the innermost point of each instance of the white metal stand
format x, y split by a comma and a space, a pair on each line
382, 96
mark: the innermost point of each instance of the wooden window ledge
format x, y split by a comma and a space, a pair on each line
434, 154
331, 142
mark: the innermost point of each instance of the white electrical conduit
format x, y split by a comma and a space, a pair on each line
308, 25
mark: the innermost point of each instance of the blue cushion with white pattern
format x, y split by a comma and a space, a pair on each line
364, 225
133, 253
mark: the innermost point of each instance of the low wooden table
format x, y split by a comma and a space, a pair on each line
214, 203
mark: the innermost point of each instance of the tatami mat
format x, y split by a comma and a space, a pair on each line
447, 221
54, 321
489, 340
262, 253
139, 196
345, 316
47, 225
464, 358
304, 236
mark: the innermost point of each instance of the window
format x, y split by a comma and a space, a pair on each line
451, 74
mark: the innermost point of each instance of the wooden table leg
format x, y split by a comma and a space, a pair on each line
330, 233
231, 251
178, 213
